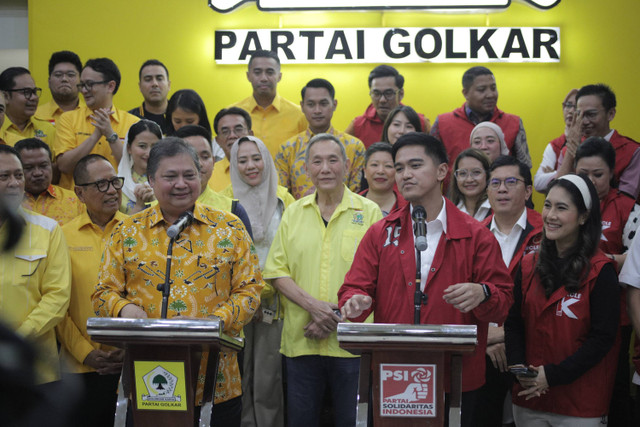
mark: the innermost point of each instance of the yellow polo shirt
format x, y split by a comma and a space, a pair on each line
74, 127
86, 243
50, 111
40, 129
292, 172
215, 271
276, 123
55, 202
317, 258
35, 285
220, 178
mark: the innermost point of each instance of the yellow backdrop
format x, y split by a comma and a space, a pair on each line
597, 43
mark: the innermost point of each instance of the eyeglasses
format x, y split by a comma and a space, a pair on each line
103, 184
463, 174
27, 92
69, 74
238, 130
568, 105
89, 85
388, 94
590, 114
510, 182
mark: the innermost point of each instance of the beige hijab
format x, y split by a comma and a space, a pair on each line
259, 201
504, 150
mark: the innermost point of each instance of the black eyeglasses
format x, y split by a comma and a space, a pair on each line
388, 94
89, 85
511, 182
103, 184
28, 92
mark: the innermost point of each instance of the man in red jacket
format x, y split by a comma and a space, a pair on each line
462, 280
481, 93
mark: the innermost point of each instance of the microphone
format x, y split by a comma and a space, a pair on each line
177, 227
419, 216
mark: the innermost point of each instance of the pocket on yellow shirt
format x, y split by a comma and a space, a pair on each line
27, 264
350, 241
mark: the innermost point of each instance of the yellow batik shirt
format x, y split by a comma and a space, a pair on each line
290, 162
214, 268
86, 243
56, 203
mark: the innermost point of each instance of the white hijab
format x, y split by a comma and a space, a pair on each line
259, 201
125, 168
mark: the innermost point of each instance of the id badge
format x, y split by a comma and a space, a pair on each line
267, 315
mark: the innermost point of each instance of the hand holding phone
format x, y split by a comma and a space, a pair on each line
522, 371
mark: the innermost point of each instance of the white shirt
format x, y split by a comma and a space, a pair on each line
508, 242
481, 213
435, 229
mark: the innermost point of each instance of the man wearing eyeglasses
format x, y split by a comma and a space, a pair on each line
386, 91
22, 96
64, 75
95, 128
97, 366
518, 230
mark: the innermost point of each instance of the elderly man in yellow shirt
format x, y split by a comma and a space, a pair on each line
97, 127
35, 276
312, 251
22, 97
274, 118
215, 267
318, 105
40, 195
97, 366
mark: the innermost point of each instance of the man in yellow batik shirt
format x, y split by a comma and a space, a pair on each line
215, 266
97, 366
318, 105
39, 194
95, 128
274, 119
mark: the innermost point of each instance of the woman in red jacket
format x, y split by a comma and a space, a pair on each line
564, 321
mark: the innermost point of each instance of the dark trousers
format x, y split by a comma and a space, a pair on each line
225, 414
97, 406
468, 409
620, 406
491, 396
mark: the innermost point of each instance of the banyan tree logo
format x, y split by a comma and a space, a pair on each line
161, 386
301, 5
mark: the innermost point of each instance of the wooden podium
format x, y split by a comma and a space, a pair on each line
160, 370
405, 365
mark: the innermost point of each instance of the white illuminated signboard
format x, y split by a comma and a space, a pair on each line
392, 45
293, 5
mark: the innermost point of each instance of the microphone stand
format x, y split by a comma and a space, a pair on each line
419, 297
165, 287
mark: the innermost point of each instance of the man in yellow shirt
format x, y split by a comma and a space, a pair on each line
22, 97
97, 366
3, 107
64, 76
215, 268
275, 119
230, 124
98, 127
35, 276
312, 251
40, 195
318, 105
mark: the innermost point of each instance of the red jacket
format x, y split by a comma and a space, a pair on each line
553, 335
467, 253
368, 127
557, 145
529, 239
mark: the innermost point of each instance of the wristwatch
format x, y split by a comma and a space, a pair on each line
487, 292
112, 138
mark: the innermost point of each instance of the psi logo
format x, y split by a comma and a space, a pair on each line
407, 390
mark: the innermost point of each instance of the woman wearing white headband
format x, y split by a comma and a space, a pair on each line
564, 321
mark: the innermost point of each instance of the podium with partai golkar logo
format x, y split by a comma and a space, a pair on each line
161, 366
403, 367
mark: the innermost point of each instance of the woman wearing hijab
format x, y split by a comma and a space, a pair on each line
489, 138
254, 181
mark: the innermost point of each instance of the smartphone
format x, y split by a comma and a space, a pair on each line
523, 371
338, 313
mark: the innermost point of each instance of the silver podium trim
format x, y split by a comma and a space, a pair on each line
402, 333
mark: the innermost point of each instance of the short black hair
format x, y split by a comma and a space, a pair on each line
80, 175
320, 84
232, 111
386, 71
597, 146
263, 54
7, 149
377, 147
470, 75
32, 144
603, 91
433, 147
170, 146
64, 56
8, 77
504, 160
152, 62
193, 130
107, 68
